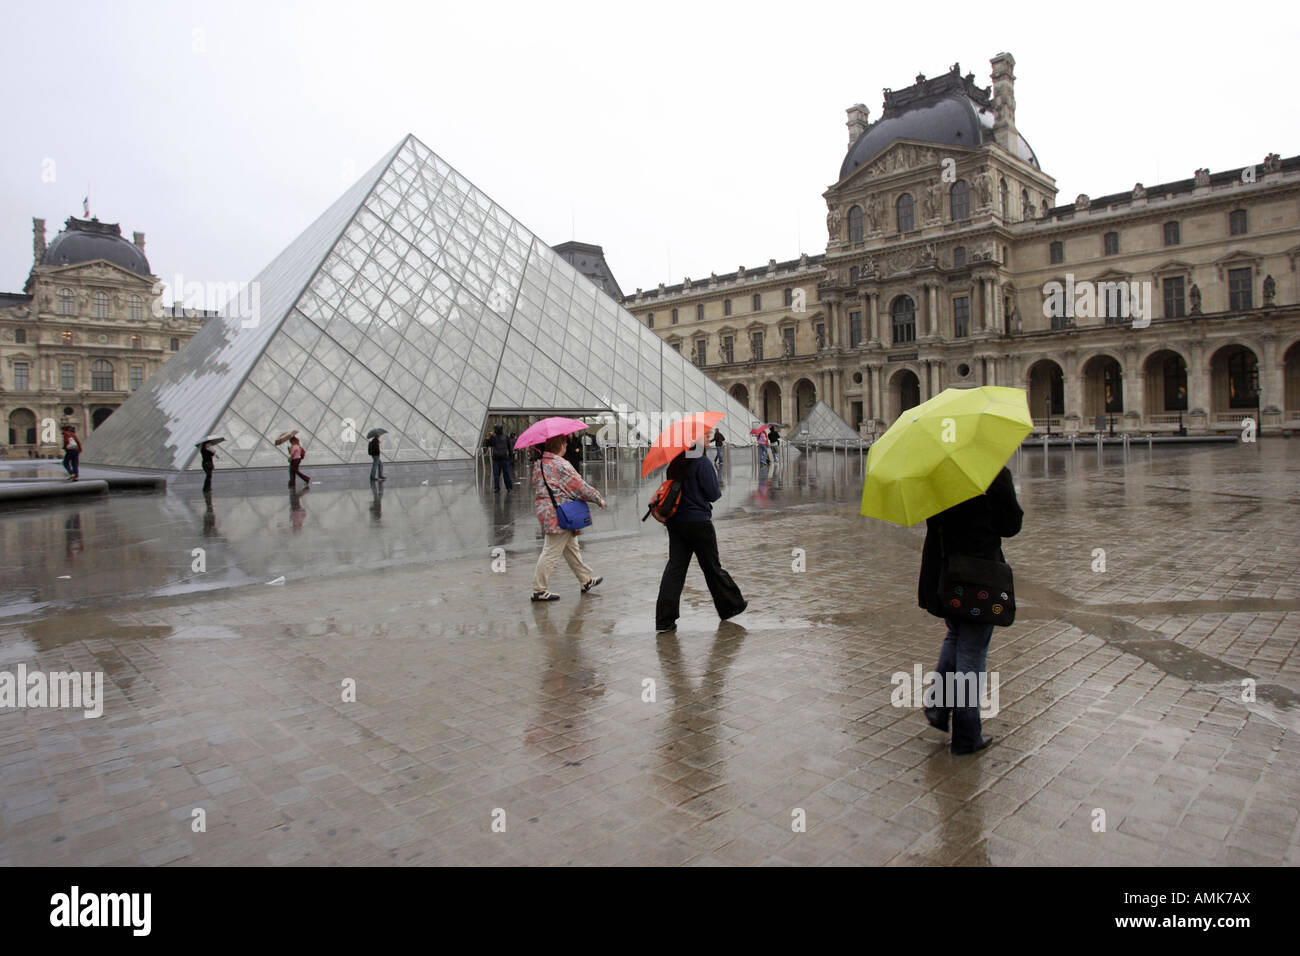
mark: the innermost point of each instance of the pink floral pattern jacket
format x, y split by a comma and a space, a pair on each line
566, 484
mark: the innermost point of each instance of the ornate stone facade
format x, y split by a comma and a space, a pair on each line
948, 263
87, 330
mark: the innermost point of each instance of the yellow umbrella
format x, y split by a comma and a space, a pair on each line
943, 452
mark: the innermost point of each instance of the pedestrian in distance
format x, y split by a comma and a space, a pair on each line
554, 483
762, 448
691, 533
774, 439
72, 453
376, 462
974, 528
206, 454
500, 446
718, 441
296, 454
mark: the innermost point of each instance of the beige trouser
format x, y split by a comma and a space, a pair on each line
566, 542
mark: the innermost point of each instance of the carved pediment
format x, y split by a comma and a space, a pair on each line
96, 269
904, 156
1172, 267
1237, 259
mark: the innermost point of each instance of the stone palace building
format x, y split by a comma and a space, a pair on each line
949, 263
86, 331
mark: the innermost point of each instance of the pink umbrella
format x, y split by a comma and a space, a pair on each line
538, 432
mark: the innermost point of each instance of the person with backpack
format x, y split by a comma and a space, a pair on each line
718, 441
555, 483
691, 533
296, 454
71, 453
500, 446
975, 529
376, 462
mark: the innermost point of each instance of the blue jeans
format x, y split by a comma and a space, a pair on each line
762, 454
501, 466
376, 467
718, 458
965, 651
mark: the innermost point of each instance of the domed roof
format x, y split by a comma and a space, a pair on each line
85, 240
946, 111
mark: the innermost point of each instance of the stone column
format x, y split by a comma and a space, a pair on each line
987, 286
1134, 391
873, 317
932, 308
1272, 376
877, 393
832, 322
787, 403
1198, 381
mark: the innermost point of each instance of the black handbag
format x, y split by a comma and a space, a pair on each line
976, 589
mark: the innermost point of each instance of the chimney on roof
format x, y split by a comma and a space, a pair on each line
858, 121
1004, 100
138, 239
38, 239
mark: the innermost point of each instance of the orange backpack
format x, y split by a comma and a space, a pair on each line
667, 499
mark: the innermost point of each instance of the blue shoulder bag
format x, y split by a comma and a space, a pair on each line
572, 515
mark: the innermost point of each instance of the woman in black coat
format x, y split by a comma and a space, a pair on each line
975, 528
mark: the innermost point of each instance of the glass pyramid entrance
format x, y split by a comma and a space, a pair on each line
822, 424
413, 304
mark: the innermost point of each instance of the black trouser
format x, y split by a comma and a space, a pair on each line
686, 538
207, 479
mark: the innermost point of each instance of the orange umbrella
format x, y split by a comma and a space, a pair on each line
677, 437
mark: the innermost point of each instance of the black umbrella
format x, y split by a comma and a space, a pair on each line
376, 432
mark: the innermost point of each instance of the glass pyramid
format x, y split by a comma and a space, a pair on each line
821, 424
414, 304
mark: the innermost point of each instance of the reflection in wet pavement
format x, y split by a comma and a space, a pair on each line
1121, 690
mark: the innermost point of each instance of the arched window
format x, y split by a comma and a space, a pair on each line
959, 200
903, 313
101, 305
136, 342
1002, 198
67, 302
101, 376
959, 257
906, 213
136, 306
855, 224
1024, 204
20, 336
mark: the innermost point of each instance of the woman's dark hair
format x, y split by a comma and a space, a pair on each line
676, 467
555, 443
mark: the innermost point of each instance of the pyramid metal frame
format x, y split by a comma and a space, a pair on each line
414, 304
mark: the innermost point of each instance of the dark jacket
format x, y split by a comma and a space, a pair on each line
975, 527
699, 487
373, 448
718, 437
206, 454
500, 446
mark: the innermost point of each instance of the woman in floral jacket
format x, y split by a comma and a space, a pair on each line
567, 485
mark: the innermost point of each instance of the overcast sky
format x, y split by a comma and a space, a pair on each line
684, 138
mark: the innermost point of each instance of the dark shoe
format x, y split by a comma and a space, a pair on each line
665, 628
591, 584
740, 610
545, 596
978, 747
937, 718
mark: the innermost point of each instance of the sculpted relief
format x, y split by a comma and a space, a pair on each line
903, 157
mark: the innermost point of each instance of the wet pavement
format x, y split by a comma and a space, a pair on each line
1120, 690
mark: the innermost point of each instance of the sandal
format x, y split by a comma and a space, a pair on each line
545, 596
591, 584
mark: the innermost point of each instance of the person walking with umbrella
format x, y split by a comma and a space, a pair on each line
690, 527
206, 455
944, 461
557, 488
296, 454
376, 463
761, 432
500, 446
774, 439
